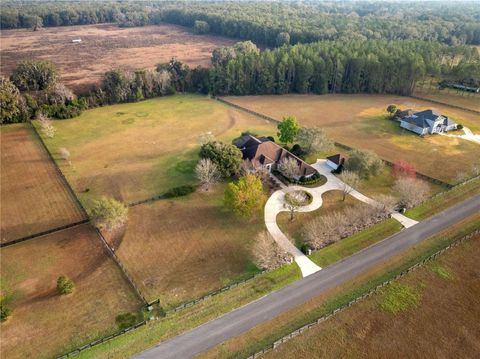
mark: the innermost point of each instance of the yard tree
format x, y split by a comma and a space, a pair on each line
207, 172
350, 181
267, 254
313, 139
33, 75
245, 197
410, 191
288, 129
392, 109
64, 285
64, 154
205, 138
365, 163
227, 157
12, 107
294, 200
108, 214
288, 166
201, 27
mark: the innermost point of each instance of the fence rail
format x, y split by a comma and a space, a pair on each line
445, 104
44, 233
338, 144
369, 293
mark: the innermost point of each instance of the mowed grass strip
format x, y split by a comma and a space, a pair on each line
181, 249
138, 150
265, 334
34, 197
433, 316
44, 324
360, 121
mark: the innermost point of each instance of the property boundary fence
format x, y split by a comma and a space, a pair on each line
101, 340
445, 104
371, 292
338, 144
44, 233
102, 238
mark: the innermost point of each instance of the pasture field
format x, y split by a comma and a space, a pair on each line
360, 121
139, 150
44, 324
105, 46
34, 198
429, 90
178, 250
438, 309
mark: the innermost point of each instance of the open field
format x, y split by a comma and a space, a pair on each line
34, 198
139, 150
441, 320
430, 90
44, 324
268, 332
104, 47
359, 121
178, 250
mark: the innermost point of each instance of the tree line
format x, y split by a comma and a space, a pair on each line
268, 23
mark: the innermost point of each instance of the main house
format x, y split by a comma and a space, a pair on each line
266, 154
425, 122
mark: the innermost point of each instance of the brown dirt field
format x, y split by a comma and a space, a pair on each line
359, 121
44, 324
444, 325
104, 47
34, 198
181, 249
451, 97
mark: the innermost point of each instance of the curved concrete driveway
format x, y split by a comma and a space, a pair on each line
275, 205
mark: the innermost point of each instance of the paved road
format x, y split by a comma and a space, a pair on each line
238, 321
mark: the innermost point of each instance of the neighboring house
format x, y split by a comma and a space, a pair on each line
336, 161
264, 153
426, 122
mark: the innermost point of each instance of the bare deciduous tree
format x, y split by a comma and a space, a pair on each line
411, 191
384, 204
350, 181
64, 154
266, 253
205, 138
288, 167
294, 200
207, 172
46, 125
313, 139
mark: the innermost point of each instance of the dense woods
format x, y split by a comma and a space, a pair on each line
269, 23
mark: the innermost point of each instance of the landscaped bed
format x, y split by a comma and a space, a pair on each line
44, 324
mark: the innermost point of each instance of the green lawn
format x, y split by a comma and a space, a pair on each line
137, 150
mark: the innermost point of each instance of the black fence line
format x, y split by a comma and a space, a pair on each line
101, 341
445, 104
102, 238
338, 144
369, 293
44, 233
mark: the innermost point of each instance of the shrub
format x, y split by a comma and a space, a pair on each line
125, 320
5, 311
64, 285
108, 213
459, 126
179, 191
